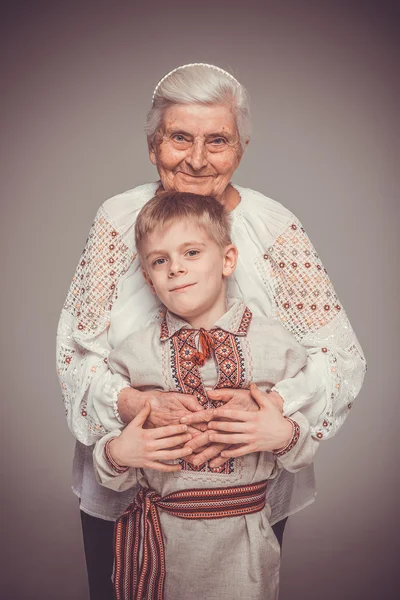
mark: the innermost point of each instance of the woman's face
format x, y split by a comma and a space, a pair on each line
197, 149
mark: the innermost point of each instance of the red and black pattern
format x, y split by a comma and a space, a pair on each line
184, 365
245, 321
186, 357
229, 356
185, 361
111, 462
147, 582
293, 440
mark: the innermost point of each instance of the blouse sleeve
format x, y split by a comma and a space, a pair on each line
308, 307
118, 480
90, 390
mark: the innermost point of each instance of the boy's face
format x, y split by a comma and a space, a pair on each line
186, 268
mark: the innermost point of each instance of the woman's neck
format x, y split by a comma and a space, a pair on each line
230, 198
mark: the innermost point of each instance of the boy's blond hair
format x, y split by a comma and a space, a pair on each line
167, 207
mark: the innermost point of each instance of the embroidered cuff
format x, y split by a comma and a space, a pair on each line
111, 462
293, 440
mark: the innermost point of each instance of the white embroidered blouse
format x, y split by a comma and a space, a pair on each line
278, 275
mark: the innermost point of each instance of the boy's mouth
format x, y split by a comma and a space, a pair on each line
181, 288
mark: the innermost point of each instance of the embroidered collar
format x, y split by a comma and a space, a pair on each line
236, 321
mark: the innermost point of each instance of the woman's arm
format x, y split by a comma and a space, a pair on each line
90, 391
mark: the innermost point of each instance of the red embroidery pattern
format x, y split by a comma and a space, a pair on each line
245, 321
303, 293
104, 260
111, 462
185, 369
186, 373
293, 440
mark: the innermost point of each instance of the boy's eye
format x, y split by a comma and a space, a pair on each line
159, 261
192, 252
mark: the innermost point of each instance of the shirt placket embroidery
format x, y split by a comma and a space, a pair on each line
186, 373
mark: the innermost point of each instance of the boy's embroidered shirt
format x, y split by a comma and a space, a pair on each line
242, 348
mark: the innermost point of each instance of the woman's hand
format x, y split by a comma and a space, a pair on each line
167, 408
145, 448
263, 431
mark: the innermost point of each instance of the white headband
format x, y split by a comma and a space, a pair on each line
193, 65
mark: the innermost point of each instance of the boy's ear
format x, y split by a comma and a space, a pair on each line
149, 281
230, 260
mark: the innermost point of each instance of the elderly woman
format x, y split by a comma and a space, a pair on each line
197, 130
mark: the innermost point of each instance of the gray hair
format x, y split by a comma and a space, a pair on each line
199, 83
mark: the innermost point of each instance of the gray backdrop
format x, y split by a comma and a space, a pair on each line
77, 85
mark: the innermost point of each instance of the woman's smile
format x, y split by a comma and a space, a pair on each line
194, 176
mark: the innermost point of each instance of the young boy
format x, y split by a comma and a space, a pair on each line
202, 341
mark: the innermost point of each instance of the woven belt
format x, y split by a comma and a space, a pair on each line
147, 583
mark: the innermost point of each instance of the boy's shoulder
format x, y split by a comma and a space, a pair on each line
266, 329
144, 338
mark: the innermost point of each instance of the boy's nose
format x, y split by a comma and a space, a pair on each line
176, 268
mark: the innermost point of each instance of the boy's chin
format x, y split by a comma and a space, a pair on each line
183, 310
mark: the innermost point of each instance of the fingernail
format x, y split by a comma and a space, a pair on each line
184, 427
184, 420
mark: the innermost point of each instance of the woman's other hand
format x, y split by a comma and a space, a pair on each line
145, 448
167, 408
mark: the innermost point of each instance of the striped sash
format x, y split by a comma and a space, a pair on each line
147, 582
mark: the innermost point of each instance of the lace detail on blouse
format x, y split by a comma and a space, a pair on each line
93, 289
307, 305
303, 293
85, 317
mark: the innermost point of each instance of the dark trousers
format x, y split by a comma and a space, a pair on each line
98, 539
